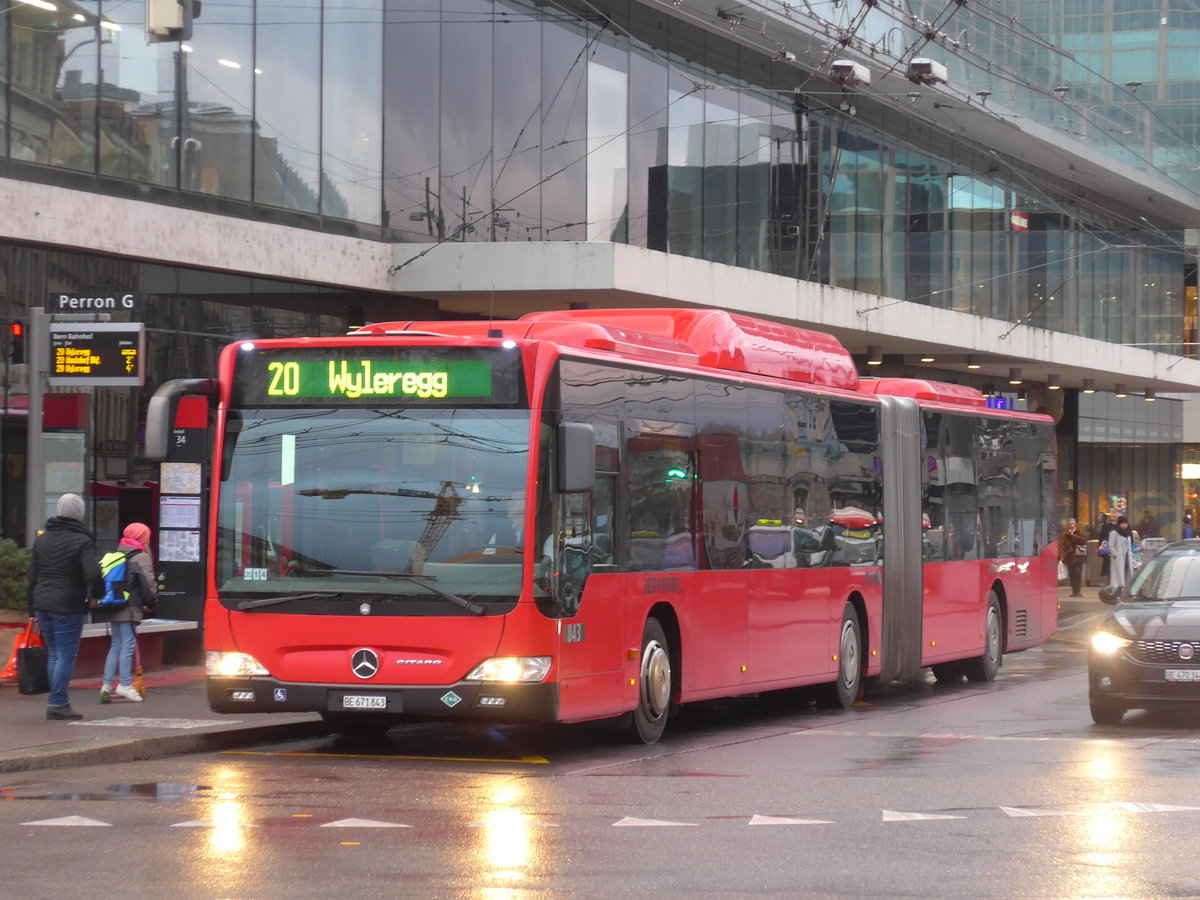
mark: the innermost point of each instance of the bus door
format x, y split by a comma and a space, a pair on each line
588, 591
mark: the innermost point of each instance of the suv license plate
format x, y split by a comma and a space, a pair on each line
1183, 674
364, 701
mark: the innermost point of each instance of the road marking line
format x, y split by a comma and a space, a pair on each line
362, 823
69, 821
631, 822
785, 820
944, 736
891, 815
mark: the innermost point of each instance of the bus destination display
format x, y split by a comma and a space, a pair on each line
375, 375
96, 353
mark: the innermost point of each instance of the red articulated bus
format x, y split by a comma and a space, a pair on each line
599, 513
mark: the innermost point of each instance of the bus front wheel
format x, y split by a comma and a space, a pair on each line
654, 684
985, 667
843, 692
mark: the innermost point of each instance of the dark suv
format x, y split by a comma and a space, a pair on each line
1146, 652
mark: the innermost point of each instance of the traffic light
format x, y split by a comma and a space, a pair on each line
16, 342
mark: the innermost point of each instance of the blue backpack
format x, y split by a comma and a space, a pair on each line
117, 575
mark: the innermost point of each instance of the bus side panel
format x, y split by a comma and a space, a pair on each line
1032, 594
846, 581
592, 655
712, 609
955, 599
600, 647
790, 614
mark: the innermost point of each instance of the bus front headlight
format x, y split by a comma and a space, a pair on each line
231, 665
512, 669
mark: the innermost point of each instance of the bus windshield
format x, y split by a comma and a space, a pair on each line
391, 503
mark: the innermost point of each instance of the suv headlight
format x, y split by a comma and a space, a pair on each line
1107, 643
511, 669
231, 665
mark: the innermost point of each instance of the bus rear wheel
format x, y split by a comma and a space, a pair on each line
986, 666
843, 692
654, 684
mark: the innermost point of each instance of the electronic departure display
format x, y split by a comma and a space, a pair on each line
96, 353
375, 376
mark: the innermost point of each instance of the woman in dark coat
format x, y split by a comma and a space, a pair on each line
63, 576
1072, 552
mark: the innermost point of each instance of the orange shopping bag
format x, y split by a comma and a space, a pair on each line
30, 637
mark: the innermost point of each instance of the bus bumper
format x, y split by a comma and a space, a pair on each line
463, 700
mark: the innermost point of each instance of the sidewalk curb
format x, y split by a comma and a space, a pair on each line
138, 748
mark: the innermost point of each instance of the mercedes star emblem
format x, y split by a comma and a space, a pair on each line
364, 663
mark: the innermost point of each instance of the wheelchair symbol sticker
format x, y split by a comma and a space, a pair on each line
280, 695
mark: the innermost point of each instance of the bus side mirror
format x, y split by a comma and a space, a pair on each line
160, 412
576, 457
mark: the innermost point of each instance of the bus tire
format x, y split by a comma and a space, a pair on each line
654, 684
986, 666
842, 693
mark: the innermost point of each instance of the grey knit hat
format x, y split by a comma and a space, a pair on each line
70, 506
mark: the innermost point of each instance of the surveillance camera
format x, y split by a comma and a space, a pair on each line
927, 71
850, 73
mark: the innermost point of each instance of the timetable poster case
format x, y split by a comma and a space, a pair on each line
182, 525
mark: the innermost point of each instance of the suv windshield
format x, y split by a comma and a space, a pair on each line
1171, 576
385, 503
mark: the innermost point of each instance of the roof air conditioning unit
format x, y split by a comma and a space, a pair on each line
927, 71
850, 73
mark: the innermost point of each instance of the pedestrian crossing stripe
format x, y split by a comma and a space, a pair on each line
1018, 812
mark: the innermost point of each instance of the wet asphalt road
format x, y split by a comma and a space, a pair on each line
1002, 790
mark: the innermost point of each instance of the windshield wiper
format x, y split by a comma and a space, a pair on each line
272, 601
406, 576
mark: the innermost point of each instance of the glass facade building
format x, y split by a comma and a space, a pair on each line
507, 121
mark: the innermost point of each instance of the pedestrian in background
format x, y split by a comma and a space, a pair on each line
1148, 527
123, 620
1106, 529
1120, 554
1072, 552
63, 577
1188, 530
